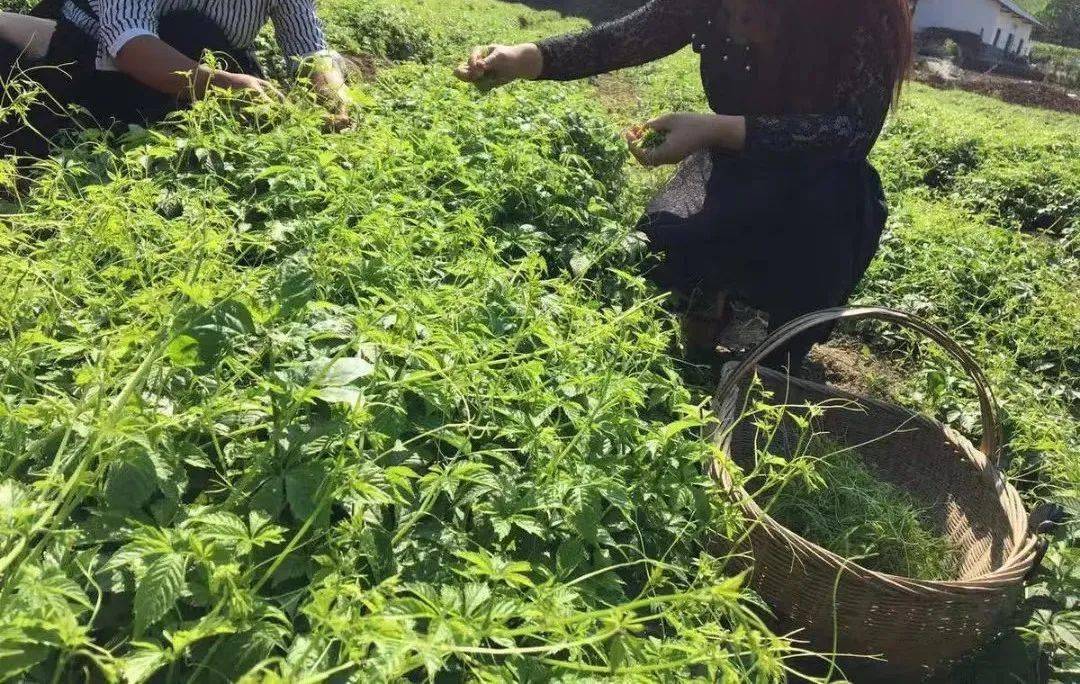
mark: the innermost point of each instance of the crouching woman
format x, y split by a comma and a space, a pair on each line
774, 202
135, 61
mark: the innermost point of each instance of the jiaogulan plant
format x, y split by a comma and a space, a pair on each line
283, 406
458, 240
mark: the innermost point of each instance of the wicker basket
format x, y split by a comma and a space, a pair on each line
912, 628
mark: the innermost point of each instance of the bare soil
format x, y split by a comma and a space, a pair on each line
945, 76
843, 364
364, 66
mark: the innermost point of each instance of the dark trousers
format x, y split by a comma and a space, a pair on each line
69, 77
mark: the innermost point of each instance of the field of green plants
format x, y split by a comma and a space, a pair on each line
397, 403
1060, 64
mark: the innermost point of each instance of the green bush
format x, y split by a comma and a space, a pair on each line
308, 406
375, 27
1031, 195
361, 27
1020, 166
1008, 299
17, 5
1059, 64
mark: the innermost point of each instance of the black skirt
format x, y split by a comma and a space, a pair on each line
69, 74
786, 240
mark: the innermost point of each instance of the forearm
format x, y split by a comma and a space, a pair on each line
656, 30
157, 65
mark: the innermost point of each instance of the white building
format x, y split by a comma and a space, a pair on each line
1003, 27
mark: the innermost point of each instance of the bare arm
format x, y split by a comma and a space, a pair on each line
154, 63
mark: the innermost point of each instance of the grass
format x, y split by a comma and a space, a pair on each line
845, 506
397, 403
1016, 166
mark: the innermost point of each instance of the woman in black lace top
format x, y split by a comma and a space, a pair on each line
774, 203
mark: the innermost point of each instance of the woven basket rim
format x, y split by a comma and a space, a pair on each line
1012, 570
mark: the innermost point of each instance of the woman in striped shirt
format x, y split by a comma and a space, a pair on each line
134, 61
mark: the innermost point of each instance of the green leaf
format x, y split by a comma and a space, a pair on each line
130, 483
183, 351
579, 264
302, 486
226, 528
341, 372
270, 497
16, 661
296, 286
616, 653
338, 395
144, 661
571, 554
217, 329
159, 588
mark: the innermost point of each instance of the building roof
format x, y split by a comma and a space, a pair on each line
1019, 11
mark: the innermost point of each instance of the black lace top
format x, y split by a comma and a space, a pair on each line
728, 52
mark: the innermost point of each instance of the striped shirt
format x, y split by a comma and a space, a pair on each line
118, 21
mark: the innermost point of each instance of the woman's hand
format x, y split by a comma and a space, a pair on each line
329, 83
157, 65
686, 133
231, 81
496, 65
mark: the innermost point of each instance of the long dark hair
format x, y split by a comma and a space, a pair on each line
816, 49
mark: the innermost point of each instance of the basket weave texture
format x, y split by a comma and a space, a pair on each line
912, 628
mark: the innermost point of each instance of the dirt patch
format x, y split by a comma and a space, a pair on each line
842, 363
362, 66
946, 76
618, 94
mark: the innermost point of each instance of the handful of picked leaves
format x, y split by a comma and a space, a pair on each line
648, 138
844, 506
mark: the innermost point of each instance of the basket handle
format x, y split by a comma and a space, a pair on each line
991, 424
1043, 521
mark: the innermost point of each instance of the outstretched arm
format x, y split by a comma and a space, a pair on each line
658, 29
156, 64
129, 34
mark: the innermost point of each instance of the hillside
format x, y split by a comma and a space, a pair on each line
1033, 6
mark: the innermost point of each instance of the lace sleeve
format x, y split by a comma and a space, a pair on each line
847, 133
656, 30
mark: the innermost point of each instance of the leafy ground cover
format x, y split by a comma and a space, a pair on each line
289, 404
398, 401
